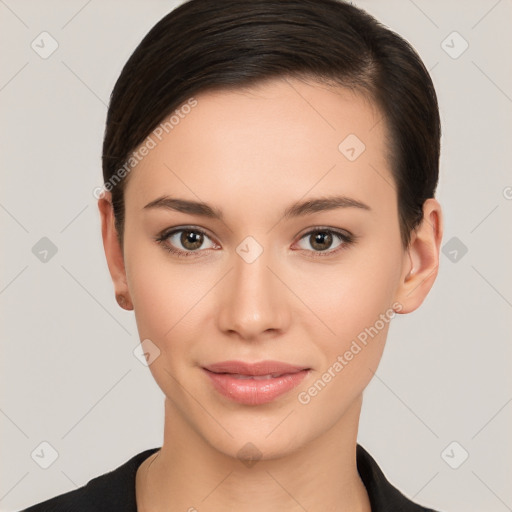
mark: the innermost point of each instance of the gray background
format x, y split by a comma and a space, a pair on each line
69, 376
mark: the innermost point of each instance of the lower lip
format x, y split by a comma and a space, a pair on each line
252, 391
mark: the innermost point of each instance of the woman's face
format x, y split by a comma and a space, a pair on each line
260, 284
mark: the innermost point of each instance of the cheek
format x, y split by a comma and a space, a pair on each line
163, 309
351, 357
158, 305
161, 291
355, 301
348, 298
170, 306
358, 309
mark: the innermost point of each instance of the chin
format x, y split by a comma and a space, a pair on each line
260, 438
254, 447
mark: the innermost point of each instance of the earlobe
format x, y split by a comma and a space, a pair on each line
422, 266
113, 251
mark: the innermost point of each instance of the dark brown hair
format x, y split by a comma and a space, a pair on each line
224, 44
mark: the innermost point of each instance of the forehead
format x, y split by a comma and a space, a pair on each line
270, 143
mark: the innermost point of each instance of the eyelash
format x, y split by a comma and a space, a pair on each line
346, 239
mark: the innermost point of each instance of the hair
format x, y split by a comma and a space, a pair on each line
205, 45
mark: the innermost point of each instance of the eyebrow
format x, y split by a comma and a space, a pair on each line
297, 209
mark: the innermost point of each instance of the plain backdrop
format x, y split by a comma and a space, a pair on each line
438, 414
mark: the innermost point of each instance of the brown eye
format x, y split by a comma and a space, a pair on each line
185, 241
321, 241
191, 240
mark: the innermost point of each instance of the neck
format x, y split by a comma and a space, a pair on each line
188, 473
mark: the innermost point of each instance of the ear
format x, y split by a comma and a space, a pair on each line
113, 251
420, 271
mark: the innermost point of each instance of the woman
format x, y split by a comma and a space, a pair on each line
268, 208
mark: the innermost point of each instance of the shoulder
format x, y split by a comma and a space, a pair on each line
112, 491
383, 495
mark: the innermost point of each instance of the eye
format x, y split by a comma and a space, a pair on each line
321, 240
190, 238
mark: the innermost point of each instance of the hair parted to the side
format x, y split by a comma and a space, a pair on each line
231, 44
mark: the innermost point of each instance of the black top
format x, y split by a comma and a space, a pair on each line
115, 491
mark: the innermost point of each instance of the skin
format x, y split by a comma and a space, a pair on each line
252, 153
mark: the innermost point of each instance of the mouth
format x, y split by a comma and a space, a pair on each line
254, 383
259, 369
254, 377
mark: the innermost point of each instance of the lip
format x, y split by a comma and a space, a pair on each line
254, 383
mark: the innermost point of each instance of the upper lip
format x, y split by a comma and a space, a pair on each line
259, 368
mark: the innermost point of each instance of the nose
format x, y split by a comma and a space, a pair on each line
254, 301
